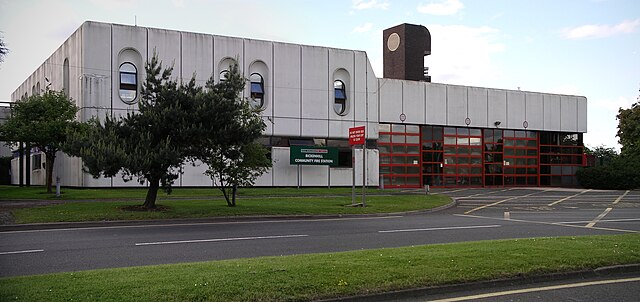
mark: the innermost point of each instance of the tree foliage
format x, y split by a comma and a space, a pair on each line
233, 157
43, 121
150, 145
176, 124
629, 130
604, 155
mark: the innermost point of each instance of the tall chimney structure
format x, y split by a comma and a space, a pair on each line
404, 49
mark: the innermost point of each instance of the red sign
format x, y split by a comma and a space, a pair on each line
356, 135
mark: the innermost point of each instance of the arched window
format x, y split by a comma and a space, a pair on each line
38, 88
340, 97
128, 83
257, 90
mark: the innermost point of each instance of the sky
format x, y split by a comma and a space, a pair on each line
588, 47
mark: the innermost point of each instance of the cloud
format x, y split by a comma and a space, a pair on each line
362, 28
441, 8
463, 55
592, 31
363, 4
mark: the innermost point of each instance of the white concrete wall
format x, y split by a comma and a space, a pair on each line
450, 105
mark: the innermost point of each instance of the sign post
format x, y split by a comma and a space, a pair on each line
357, 137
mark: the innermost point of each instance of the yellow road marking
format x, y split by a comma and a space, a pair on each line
538, 289
499, 202
566, 198
594, 221
620, 197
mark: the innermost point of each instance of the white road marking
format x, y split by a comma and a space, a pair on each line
507, 215
220, 239
603, 220
499, 202
568, 197
196, 224
594, 221
547, 223
447, 192
21, 252
538, 289
621, 196
480, 194
443, 228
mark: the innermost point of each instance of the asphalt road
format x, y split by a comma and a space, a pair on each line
481, 214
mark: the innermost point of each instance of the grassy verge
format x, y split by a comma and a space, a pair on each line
38, 192
317, 276
95, 211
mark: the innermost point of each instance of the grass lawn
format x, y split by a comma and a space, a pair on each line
317, 276
112, 210
39, 192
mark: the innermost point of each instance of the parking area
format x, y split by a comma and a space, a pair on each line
600, 209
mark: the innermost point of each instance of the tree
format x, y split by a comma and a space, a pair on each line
44, 121
234, 157
629, 130
150, 145
603, 154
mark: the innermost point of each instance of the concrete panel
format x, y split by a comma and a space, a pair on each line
227, 47
340, 129
515, 109
390, 100
534, 111
372, 131
269, 122
284, 174
456, 105
315, 89
127, 38
360, 86
372, 178
413, 102
551, 119
166, 44
340, 176
372, 95
315, 128
342, 60
287, 81
317, 176
436, 104
478, 100
193, 175
283, 126
497, 111
582, 114
197, 57
265, 180
568, 113
96, 61
90, 182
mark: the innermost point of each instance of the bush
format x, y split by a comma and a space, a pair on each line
620, 174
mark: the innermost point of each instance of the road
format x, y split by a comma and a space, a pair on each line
481, 214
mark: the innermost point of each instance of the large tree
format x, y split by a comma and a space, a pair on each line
629, 130
150, 145
43, 121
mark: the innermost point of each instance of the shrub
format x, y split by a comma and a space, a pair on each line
622, 174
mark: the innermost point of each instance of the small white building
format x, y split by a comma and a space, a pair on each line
417, 132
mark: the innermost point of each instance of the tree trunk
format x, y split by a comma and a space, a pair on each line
50, 158
233, 195
152, 193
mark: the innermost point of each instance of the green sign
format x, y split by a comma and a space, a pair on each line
310, 155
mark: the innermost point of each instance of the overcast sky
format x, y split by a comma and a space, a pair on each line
588, 47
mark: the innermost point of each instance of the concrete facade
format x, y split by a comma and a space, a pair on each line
298, 99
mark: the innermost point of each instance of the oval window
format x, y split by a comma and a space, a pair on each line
257, 90
128, 83
340, 97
